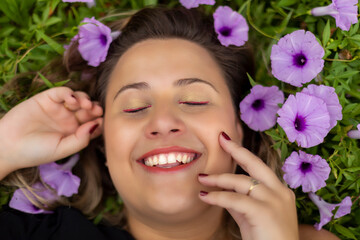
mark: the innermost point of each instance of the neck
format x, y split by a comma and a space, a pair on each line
203, 226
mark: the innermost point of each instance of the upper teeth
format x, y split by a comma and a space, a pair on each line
166, 158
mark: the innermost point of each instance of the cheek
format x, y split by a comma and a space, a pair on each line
208, 128
119, 143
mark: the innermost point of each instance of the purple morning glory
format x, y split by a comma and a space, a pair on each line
60, 178
354, 133
345, 12
89, 3
331, 99
306, 170
94, 41
195, 3
77, 0
326, 209
230, 26
258, 109
23, 199
305, 119
297, 58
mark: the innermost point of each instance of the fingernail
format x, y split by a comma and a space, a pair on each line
203, 193
203, 175
225, 136
93, 128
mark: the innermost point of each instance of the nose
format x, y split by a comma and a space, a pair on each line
164, 122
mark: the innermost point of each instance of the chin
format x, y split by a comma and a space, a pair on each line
174, 204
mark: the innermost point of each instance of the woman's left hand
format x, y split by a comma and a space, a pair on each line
268, 211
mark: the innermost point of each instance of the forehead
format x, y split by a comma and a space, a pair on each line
165, 58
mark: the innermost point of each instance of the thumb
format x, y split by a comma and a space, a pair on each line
80, 139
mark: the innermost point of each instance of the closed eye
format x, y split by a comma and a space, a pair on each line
134, 110
193, 103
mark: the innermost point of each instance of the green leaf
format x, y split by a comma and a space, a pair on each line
344, 75
355, 37
53, 44
277, 145
354, 28
353, 169
284, 151
11, 9
252, 81
273, 134
326, 34
344, 231
286, 3
134, 4
6, 30
349, 108
45, 13
52, 20
46, 81
284, 23
150, 2
333, 44
61, 83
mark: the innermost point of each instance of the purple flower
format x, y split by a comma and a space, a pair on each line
230, 26
77, 0
60, 178
306, 170
297, 58
258, 109
326, 209
23, 199
354, 133
89, 3
305, 119
345, 12
331, 99
195, 3
94, 41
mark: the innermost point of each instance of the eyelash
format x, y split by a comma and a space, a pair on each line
191, 103
135, 110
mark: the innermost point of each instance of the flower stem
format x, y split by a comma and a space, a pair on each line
253, 25
341, 60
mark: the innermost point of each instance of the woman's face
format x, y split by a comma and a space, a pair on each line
166, 104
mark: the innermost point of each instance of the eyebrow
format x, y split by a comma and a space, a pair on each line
178, 83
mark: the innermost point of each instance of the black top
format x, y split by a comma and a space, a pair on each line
65, 224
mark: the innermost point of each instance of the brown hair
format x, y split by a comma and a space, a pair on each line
155, 23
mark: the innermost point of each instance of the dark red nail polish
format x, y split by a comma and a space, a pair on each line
225, 136
203, 175
93, 128
203, 193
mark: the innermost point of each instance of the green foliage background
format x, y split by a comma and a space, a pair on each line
33, 32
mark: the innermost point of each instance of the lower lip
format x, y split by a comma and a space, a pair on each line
168, 170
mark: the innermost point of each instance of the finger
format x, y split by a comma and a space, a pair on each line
253, 165
84, 100
84, 115
238, 183
80, 139
60, 94
232, 201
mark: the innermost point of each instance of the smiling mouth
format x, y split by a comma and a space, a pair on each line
170, 160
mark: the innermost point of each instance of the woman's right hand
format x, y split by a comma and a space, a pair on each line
47, 127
